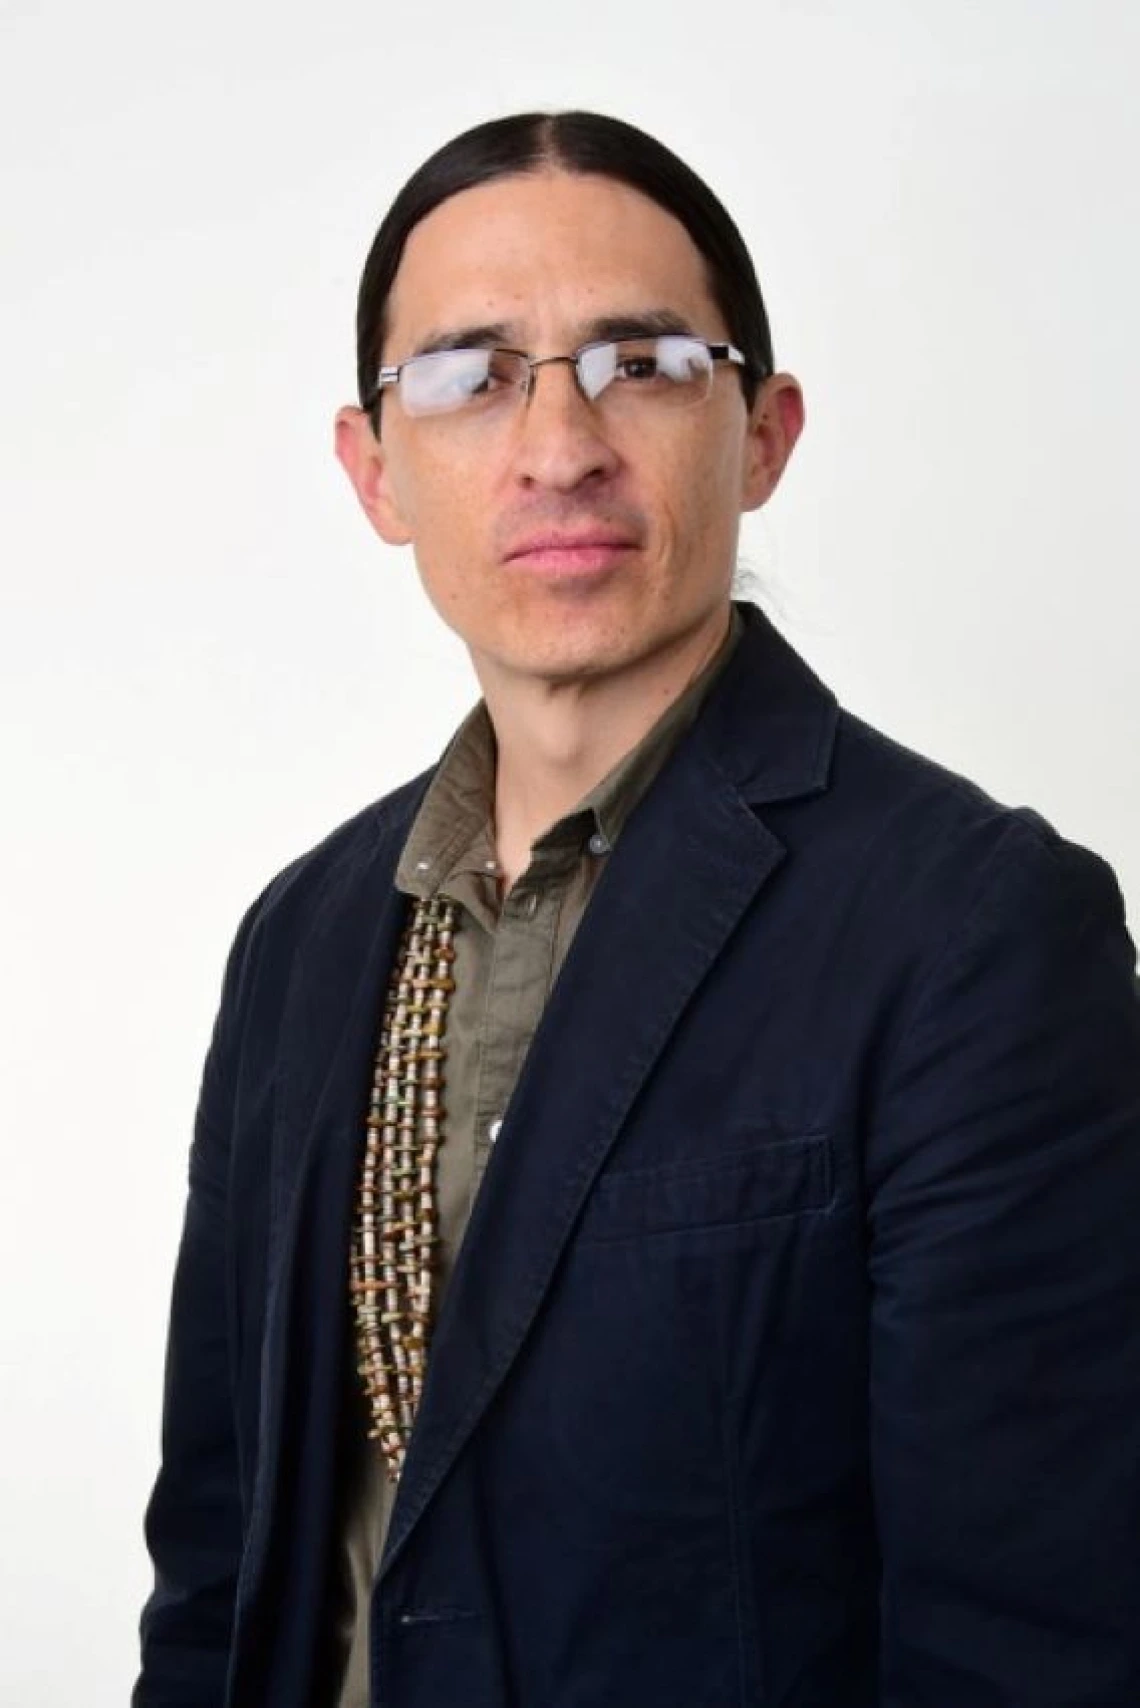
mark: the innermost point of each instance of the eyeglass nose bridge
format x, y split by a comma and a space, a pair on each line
533, 363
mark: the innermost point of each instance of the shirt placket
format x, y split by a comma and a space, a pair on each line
518, 982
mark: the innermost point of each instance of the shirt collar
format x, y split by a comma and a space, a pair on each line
452, 830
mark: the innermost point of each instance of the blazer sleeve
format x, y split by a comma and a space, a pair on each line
194, 1524
1004, 1226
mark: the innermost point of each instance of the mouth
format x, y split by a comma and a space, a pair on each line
562, 553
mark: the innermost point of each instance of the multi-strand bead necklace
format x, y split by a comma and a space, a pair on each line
395, 1234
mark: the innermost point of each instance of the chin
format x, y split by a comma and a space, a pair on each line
576, 652
563, 634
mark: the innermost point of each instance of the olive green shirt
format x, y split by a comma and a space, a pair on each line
507, 955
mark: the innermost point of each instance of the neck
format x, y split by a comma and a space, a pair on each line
556, 740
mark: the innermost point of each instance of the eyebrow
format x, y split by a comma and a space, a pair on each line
648, 323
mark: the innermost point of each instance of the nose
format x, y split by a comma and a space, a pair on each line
560, 440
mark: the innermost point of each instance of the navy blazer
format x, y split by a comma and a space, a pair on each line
792, 1356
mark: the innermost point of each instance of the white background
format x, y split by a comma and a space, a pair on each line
208, 660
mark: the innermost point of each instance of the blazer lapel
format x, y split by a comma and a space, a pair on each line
691, 860
328, 1038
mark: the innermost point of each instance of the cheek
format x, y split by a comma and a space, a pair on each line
440, 502
703, 461
700, 495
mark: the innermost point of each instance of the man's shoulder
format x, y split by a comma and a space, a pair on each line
352, 845
880, 773
367, 843
932, 840
895, 792
827, 780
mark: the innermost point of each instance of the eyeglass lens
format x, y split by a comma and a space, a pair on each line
671, 368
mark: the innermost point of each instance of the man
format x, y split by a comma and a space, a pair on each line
663, 1209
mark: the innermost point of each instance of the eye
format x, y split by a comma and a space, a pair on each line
487, 375
461, 375
502, 371
637, 368
637, 362
447, 380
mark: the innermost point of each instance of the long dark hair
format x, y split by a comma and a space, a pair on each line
572, 142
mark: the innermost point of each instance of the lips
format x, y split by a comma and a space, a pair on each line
570, 547
566, 555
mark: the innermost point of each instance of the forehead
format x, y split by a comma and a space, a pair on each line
546, 252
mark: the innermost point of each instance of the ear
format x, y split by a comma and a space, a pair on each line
363, 459
774, 424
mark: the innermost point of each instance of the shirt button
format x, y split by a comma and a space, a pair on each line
598, 844
494, 1129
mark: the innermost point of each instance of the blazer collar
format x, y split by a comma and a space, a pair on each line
769, 724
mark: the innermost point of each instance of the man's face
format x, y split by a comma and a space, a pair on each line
564, 541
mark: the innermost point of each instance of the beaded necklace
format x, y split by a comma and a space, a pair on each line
395, 1233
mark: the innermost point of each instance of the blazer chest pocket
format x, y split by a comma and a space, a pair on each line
775, 1177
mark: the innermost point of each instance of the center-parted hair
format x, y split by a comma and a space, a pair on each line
586, 143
